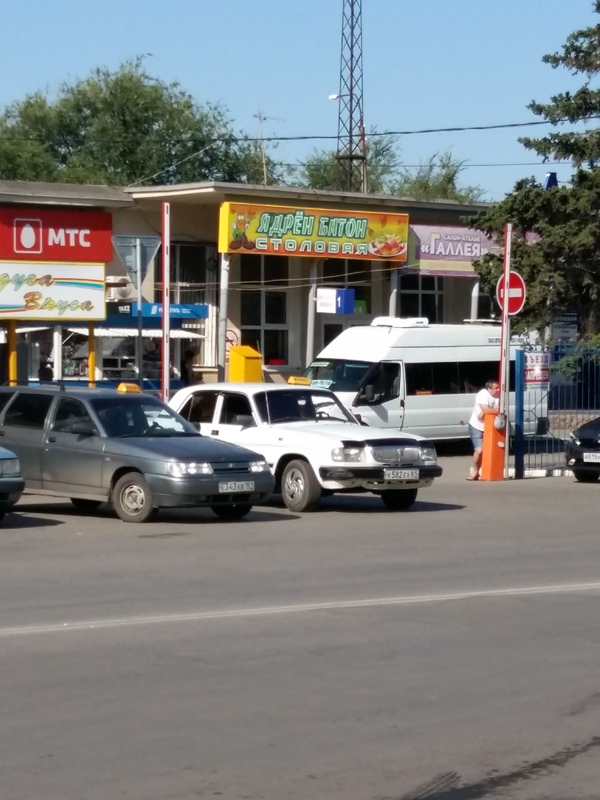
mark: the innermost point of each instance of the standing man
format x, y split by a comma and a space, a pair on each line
187, 368
486, 402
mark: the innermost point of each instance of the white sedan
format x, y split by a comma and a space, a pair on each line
314, 446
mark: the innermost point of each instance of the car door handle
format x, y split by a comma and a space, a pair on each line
51, 439
214, 433
1, 433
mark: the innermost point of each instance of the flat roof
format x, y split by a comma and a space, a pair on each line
210, 192
63, 194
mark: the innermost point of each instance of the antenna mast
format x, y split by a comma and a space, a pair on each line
351, 148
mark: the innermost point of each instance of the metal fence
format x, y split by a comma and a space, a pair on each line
570, 398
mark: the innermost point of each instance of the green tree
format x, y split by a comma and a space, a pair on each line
437, 179
120, 128
557, 232
322, 170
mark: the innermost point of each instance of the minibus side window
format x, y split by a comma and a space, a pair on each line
381, 384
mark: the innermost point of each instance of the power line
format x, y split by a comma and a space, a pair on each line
231, 139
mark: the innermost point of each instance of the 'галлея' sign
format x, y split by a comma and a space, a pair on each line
313, 232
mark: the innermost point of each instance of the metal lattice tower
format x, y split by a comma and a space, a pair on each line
351, 150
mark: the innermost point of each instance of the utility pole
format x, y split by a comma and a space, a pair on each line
260, 119
351, 145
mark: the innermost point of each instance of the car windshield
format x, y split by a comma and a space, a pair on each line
139, 416
308, 405
337, 375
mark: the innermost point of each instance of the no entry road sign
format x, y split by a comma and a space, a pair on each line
516, 293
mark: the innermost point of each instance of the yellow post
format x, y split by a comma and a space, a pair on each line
11, 346
91, 356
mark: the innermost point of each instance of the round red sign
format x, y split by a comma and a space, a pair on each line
516, 293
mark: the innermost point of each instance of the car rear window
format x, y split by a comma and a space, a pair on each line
28, 410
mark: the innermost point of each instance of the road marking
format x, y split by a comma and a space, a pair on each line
301, 608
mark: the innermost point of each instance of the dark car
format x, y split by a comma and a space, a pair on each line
129, 449
583, 452
11, 481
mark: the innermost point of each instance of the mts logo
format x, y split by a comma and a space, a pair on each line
29, 236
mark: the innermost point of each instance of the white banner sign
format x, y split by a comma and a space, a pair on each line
52, 292
537, 369
326, 300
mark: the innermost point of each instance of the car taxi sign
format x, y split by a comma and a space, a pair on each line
298, 380
128, 388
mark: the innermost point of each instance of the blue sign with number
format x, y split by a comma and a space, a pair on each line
344, 301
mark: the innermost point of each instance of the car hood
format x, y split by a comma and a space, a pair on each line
192, 448
341, 431
589, 430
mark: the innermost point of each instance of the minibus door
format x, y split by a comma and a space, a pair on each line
380, 401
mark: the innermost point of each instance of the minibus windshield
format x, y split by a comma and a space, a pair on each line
338, 375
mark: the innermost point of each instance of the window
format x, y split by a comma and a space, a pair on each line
28, 411
385, 379
68, 413
200, 408
236, 410
194, 281
466, 377
422, 296
4, 398
264, 306
350, 274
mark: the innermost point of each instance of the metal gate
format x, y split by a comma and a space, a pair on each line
547, 411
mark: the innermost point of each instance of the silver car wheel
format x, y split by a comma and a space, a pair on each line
133, 499
294, 485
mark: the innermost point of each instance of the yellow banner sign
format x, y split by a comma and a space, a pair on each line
313, 232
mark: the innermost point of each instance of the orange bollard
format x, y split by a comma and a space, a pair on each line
492, 457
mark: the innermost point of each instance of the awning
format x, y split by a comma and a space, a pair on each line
21, 329
125, 333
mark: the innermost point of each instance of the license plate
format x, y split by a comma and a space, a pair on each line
595, 457
401, 474
230, 487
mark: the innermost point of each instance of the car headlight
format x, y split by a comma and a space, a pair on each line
259, 466
10, 467
181, 469
347, 454
573, 439
428, 453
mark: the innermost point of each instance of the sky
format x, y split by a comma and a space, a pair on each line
427, 64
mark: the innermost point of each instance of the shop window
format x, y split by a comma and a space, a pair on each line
194, 281
264, 306
422, 296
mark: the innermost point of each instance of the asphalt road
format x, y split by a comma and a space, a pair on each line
447, 653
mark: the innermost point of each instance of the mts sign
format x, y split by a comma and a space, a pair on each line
38, 234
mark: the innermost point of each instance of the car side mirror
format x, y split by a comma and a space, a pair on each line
83, 429
369, 393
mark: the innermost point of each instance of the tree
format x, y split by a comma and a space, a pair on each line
437, 179
557, 232
120, 128
322, 170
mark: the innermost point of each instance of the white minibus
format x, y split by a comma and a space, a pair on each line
422, 378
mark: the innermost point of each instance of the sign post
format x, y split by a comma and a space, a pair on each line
510, 293
165, 383
136, 254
